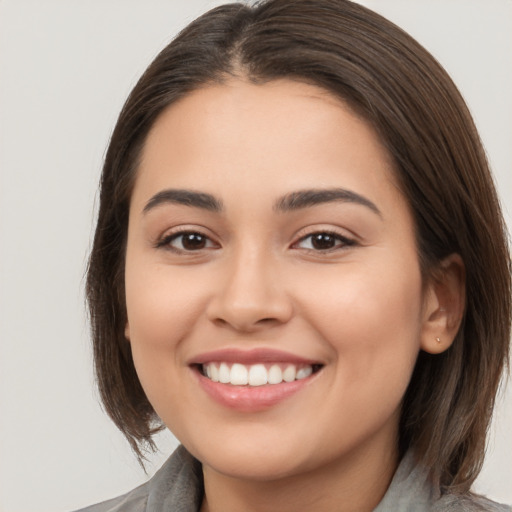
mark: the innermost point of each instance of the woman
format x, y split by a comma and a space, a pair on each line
300, 268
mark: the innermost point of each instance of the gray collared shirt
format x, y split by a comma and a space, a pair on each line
178, 487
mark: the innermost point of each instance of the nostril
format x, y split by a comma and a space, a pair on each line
241, 324
248, 312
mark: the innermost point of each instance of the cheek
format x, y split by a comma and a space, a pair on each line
163, 307
372, 321
376, 299
162, 301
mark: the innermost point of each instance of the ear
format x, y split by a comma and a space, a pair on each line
127, 331
444, 304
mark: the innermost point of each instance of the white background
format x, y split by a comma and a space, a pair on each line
65, 70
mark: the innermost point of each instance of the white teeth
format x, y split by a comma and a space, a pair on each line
304, 372
214, 372
239, 375
275, 375
256, 374
289, 373
224, 373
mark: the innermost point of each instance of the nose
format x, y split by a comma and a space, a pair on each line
251, 294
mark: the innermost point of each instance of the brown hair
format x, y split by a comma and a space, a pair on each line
400, 89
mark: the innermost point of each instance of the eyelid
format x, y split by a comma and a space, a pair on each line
163, 241
347, 240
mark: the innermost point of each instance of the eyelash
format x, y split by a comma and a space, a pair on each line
340, 241
167, 240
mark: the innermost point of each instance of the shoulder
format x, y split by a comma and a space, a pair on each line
177, 485
133, 501
412, 490
468, 503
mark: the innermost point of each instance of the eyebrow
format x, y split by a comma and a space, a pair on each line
290, 202
186, 198
307, 198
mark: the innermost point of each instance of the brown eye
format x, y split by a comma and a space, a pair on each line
186, 242
324, 241
193, 241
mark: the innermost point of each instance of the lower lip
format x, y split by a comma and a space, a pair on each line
251, 399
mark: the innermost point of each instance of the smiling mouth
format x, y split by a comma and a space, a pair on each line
255, 375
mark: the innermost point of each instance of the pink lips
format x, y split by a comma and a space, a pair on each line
247, 398
251, 357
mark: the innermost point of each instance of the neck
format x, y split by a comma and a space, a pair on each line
355, 484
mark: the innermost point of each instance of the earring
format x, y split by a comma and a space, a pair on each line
438, 340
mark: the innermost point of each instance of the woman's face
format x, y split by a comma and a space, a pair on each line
273, 289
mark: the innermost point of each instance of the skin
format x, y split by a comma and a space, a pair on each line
359, 308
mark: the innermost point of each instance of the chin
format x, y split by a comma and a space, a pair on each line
253, 460
263, 467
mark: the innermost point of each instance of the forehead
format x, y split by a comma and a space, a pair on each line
246, 134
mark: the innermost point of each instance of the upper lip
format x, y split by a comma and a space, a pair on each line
252, 356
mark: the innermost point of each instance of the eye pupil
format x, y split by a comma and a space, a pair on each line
323, 241
193, 241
